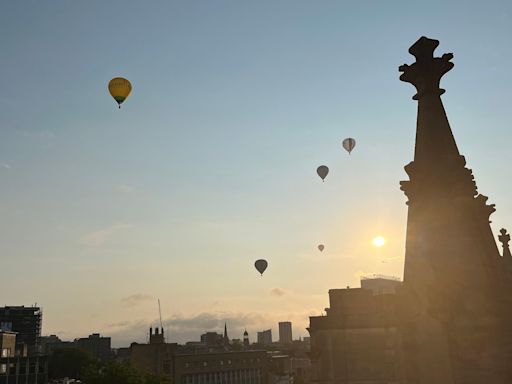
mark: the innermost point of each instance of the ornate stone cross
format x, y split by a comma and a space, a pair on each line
425, 74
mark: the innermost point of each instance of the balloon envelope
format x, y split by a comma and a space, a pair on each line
349, 144
261, 265
322, 171
119, 89
321, 247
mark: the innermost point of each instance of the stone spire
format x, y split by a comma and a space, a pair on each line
443, 200
452, 263
504, 238
226, 338
434, 138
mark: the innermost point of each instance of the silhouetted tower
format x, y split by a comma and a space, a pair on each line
157, 337
452, 276
246, 339
226, 338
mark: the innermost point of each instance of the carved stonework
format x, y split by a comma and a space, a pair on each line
504, 238
425, 74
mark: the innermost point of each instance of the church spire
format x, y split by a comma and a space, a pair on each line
443, 201
452, 266
434, 138
226, 338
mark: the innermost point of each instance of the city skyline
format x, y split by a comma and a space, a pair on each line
210, 164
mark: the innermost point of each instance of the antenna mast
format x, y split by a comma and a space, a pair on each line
160, 313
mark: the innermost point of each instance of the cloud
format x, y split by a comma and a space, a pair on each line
5, 166
136, 299
278, 292
100, 237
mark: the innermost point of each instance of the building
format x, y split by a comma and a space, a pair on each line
156, 337
212, 339
245, 367
193, 364
285, 369
99, 347
285, 332
358, 339
380, 284
16, 366
52, 342
25, 321
265, 337
449, 321
155, 357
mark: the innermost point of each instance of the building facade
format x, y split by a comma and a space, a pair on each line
358, 340
265, 337
25, 321
97, 346
285, 332
154, 358
16, 366
246, 367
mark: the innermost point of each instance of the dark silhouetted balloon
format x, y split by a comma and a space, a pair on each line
321, 247
261, 265
322, 171
349, 144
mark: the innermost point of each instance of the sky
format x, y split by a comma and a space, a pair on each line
211, 162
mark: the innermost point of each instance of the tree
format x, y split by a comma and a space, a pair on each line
69, 362
117, 373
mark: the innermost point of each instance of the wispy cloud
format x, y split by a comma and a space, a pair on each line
278, 292
136, 299
100, 237
5, 166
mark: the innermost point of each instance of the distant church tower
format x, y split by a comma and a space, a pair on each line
157, 337
246, 339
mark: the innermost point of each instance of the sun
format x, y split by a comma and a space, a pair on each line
378, 241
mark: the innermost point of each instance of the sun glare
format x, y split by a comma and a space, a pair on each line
378, 241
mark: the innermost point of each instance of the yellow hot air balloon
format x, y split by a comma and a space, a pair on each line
120, 89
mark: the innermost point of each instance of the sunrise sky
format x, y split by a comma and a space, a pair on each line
211, 162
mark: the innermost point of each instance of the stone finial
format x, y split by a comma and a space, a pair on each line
425, 74
504, 239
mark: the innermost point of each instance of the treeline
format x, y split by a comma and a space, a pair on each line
75, 363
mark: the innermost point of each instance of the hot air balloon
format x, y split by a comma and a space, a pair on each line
120, 89
261, 265
349, 144
321, 247
322, 171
